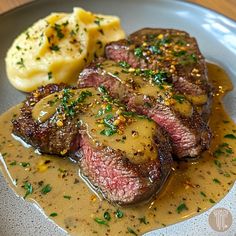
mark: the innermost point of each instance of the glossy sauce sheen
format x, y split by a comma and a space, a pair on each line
145, 86
193, 186
134, 135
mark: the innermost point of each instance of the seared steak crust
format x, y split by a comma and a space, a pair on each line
108, 170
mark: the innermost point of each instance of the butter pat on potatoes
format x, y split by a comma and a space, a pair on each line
55, 49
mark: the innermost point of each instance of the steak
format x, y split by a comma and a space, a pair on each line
47, 137
172, 51
126, 157
159, 73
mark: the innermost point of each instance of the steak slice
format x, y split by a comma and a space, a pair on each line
121, 181
147, 92
171, 51
124, 156
47, 137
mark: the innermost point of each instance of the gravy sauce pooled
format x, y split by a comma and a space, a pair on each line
55, 183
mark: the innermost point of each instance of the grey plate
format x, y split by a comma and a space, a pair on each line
216, 36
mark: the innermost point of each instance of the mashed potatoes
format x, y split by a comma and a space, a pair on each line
57, 48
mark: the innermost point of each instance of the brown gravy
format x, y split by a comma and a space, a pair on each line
193, 186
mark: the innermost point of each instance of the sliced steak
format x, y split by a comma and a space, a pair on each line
149, 93
121, 181
171, 51
123, 155
47, 137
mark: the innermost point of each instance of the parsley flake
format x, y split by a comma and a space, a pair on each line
230, 136
54, 47
53, 214
100, 221
49, 75
46, 189
29, 189
181, 208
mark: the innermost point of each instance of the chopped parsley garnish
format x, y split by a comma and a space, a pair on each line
13, 163
70, 107
230, 136
27, 34
24, 164
155, 50
211, 201
29, 189
54, 47
46, 189
179, 98
159, 77
98, 20
53, 214
179, 53
227, 174
108, 108
100, 221
217, 163
188, 59
203, 194
143, 220
67, 197
72, 33
49, 75
181, 208
193, 57
18, 47
119, 213
130, 230
83, 95
124, 64
65, 23
58, 30
128, 113
218, 152
111, 128
138, 52
107, 216
108, 132
223, 148
216, 181
21, 63
132, 114
100, 112
102, 89
165, 40
181, 42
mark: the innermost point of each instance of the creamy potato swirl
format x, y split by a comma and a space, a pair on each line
55, 49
